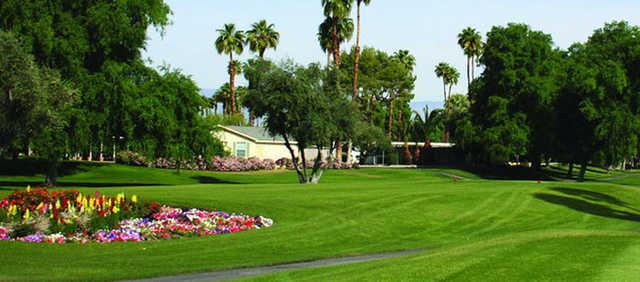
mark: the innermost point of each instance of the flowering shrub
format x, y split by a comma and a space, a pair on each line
69, 216
288, 164
240, 164
131, 158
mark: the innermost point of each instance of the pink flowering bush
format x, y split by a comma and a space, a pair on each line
67, 217
240, 164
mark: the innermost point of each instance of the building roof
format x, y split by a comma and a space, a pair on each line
255, 134
433, 144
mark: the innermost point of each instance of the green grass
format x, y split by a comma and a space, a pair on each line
473, 229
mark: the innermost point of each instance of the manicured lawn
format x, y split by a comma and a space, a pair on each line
471, 229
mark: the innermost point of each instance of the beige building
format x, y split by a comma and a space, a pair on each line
256, 142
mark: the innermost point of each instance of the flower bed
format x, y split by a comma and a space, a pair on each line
37, 215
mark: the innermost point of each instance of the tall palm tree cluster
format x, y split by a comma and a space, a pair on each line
470, 41
230, 41
450, 77
337, 28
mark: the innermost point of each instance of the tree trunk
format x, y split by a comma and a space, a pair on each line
468, 73
252, 118
535, 162
473, 67
232, 76
101, 156
303, 156
301, 178
317, 171
349, 149
407, 154
583, 170
339, 151
51, 179
446, 107
262, 53
570, 171
336, 45
356, 59
391, 97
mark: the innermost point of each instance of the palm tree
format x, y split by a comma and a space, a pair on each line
337, 17
356, 60
231, 41
442, 71
450, 77
222, 95
340, 26
326, 43
471, 43
261, 37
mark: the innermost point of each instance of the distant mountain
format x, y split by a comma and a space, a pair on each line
207, 92
418, 106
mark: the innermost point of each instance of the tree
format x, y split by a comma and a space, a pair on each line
231, 41
340, 26
357, 52
338, 23
298, 105
512, 107
21, 96
50, 140
261, 37
34, 105
470, 41
597, 113
450, 77
83, 41
458, 109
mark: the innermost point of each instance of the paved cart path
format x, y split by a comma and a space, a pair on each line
243, 272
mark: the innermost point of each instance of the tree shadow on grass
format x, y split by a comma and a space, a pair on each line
32, 167
587, 202
22, 184
211, 180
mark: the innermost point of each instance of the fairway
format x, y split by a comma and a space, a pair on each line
470, 229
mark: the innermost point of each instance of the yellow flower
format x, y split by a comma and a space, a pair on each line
134, 199
115, 209
58, 204
26, 214
12, 210
39, 207
28, 188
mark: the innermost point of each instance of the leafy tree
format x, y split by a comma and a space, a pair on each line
512, 107
50, 139
470, 41
261, 37
21, 96
231, 41
34, 104
597, 104
458, 108
299, 104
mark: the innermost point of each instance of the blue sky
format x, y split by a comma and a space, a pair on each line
427, 29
